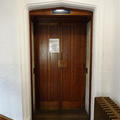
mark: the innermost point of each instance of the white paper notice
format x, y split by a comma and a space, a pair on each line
54, 46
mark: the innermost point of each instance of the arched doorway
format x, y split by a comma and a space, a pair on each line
64, 87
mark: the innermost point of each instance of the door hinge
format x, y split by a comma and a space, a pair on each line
34, 70
86, 70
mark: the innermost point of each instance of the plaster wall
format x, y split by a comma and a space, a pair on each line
10, 77
111, 55
15, 88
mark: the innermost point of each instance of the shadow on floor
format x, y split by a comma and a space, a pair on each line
61, 115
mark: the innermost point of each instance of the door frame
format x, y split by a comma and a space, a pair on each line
78, 12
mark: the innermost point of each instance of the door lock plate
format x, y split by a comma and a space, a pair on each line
62, 63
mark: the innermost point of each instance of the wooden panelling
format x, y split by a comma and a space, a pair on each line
60, 19
74, 52
54, 84
49, 12
49, 105
46, 64
71, 105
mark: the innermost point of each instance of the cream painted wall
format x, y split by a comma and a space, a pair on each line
115, 80
88, 2
82, 1
111, 63
15, 66
10, 79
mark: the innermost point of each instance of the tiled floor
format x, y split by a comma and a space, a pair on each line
61, 115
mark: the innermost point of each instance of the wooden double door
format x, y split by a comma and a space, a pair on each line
60, 76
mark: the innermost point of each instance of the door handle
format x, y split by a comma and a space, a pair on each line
62, 63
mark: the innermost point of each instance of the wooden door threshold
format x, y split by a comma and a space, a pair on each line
61, 115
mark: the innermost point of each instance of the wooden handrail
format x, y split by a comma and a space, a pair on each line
2, 117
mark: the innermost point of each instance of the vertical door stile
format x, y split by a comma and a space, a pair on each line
49, 65
61, 55
71, 62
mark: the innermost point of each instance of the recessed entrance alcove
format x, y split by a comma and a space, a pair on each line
66, 27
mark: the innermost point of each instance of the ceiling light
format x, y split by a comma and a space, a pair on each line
60, 11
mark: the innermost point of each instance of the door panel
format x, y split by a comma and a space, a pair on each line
60, 85
41, 63
47, 74
73, 76
54, 71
